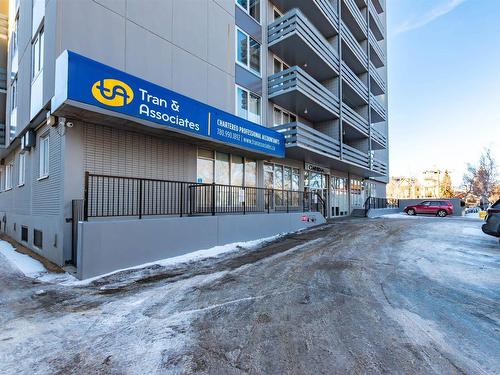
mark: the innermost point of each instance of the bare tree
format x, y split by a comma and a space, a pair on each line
481, 179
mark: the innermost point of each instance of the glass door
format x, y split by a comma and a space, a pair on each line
339, 197
357, 193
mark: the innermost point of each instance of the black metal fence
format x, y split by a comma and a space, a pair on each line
373, 202
113, 196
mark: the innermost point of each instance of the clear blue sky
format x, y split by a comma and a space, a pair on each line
444, 83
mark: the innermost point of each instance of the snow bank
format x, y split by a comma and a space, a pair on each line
213, 252
31, 267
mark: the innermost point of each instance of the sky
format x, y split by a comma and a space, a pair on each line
443, 84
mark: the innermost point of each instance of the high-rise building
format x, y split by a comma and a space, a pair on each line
131, 108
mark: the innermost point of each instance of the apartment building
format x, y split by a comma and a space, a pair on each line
158, 117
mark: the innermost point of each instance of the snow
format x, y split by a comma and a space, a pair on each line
31, 267
401, 215
213, 252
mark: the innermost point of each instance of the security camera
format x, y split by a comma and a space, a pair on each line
69, 124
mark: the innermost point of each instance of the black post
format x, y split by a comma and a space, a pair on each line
182, 198
213, 199
140, 199
86, 198
287, 202
244, 201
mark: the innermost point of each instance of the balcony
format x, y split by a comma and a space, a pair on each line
376, 25
320, 12
298, 92
377, 83
379, 113
355, 156
297, 41
379, 140
355, 120
304, 138
354, 53
352, 16
379, 5
356, 86
376, 53
379, 167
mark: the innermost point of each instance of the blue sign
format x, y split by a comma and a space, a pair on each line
82, 80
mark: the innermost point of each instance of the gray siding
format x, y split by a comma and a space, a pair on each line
118, 152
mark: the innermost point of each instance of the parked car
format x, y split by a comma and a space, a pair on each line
492, 224
439, 208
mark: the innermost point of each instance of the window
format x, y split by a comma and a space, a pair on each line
251, 7
279, 65
13, 94
247, 51
37, 53
280, 116
38, 238
22, 168
44, 156
24, 233
248, 105
281, 177
225, 169
9, 169
15, 27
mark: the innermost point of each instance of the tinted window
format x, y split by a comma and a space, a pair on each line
496, 204
436, 204
426, 203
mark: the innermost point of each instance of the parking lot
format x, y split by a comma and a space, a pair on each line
389, 295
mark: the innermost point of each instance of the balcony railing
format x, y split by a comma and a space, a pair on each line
356, 14
380, 138
355, 156
294, 86
379, 5
379, 167
354, 119
379, 61
312, 47
354, 82
300, 135
117, 196
320, 12
380, 30
354, 46
377, 78
378, 107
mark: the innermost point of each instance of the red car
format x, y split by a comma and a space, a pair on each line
439, 208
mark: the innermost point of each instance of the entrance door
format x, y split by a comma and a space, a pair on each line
339, 197
357, 193
315, 182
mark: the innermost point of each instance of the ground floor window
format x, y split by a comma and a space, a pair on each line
282, 179
357, 193
371, 189
38, 238
225, 169
9, 172
339, 196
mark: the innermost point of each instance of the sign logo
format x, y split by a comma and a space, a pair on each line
112, 92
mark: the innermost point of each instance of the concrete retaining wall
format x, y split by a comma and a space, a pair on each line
377, 212
458, 210
108, 245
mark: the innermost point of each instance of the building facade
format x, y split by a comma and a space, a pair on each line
311, 71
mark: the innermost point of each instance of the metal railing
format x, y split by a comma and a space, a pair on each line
377, 77
355, 156
376, 18
376, 46
378, 107
374, 203
356, 14
117, 196
295, 78
298, 134
355, 82
354, 119
354, 45
294, 21
379, 137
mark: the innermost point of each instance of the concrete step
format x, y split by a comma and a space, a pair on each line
358, 212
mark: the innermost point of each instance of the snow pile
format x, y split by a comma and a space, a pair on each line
214, 252
31, 267
400, 215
